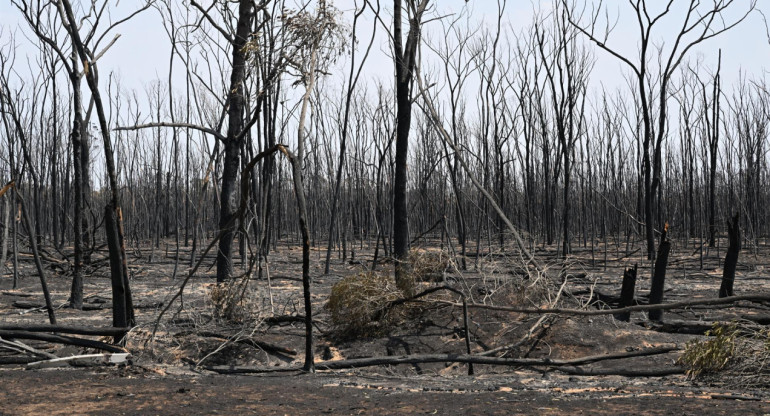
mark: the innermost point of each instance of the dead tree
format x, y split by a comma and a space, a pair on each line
712, 140
232, 141
700, 22
567, 68
90, 70
405, 63
353, 77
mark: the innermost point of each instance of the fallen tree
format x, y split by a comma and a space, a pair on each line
64, 329
61, 339
453, 358
635, 308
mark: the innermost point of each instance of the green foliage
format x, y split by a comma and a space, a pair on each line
713, 354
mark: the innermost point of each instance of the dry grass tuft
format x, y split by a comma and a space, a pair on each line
428, 266
356, 302
233, 303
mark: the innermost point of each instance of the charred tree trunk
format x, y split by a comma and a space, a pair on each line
6, 226
731, 259
659, 276
90, 72
627, 293
405, 66
76, 291
119, 305
713, 152
36, 256
232, 142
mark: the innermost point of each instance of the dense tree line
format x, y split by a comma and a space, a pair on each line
569, 163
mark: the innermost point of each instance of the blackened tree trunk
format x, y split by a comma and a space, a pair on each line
38, 264
405, 65
76, 291
90, 72
119, 307
6, 226
627, 293
232, 142
731, 259
713, 142
55, 161
659, 275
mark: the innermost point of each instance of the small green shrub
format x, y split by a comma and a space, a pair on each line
711, 355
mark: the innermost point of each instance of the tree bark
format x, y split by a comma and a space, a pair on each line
627, 293
659, 276
232, 142
38, 264
6, 225
119, 304
405, 66
76, 290
731, 259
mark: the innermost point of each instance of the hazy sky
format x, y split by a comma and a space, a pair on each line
141, 54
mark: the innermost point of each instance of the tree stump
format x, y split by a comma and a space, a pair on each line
731, 259
627, 293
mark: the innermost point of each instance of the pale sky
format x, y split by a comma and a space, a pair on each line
140, 56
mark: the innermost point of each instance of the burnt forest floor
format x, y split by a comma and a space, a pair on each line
169, 374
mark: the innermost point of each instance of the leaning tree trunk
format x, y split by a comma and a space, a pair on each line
36, 256
90, 72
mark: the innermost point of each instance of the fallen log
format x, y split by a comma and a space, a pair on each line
680, 327
19, 294
43, 257
21, 347
277, 320
741, 397
635, 308
86, 360
61, 339
454, 358
626, 372
100, 306
63, 329
23, 304
17, 360
265, 346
